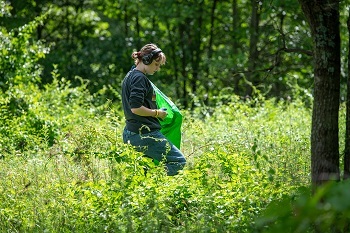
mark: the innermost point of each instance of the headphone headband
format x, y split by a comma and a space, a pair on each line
147, 59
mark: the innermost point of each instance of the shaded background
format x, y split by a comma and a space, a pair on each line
213, 47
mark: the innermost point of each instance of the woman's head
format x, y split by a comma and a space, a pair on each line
148, 54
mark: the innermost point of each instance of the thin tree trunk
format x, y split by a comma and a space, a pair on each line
137, 26
182, 35
323, 17
40, 27
126, 19
171, 37
347, 133
235, 26
253, 45
210, 50
235, 44
195, 48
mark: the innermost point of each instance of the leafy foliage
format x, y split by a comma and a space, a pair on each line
32, 117
66, 169
20, 56
325, 211
206, 43
87, 180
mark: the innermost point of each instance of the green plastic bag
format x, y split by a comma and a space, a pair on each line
171, 124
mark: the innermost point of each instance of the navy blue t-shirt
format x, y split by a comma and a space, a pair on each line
137, 91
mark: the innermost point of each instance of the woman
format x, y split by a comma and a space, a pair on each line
142, 128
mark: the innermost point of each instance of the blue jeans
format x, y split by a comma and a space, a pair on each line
154, 145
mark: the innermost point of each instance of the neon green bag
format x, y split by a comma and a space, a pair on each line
171, 125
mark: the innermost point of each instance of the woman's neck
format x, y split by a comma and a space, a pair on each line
141, 67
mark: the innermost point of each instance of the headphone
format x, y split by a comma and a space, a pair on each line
147, 59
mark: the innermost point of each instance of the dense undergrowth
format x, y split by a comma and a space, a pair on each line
65, 168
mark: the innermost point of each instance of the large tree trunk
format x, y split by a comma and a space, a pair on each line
347, 133
323, 17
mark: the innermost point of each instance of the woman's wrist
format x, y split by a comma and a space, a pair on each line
157, 113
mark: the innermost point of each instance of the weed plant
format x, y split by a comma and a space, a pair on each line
72, 173
64, 168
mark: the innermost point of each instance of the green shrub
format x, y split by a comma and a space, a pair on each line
239, 160
33, 117
66, 168
328, 210
20, 55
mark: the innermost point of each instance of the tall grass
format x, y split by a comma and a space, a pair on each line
64, 168
84, 179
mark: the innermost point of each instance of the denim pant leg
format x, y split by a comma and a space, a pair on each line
156, 146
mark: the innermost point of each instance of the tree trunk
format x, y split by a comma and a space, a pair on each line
323, 18
173, 49
347, 133
195, 48
210, 52
235, 27
235, 40
253, 45
184, 49
126, 19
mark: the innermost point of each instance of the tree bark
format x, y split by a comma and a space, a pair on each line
210, 51
172, 38
235, 27
253, 45
184, 49
323, 18
347, 133
235, 43
195, 47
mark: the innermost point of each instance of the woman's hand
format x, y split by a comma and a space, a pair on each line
162, 113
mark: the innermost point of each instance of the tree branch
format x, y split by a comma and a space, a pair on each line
295, 50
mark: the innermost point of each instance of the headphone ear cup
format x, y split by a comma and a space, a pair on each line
146, 59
